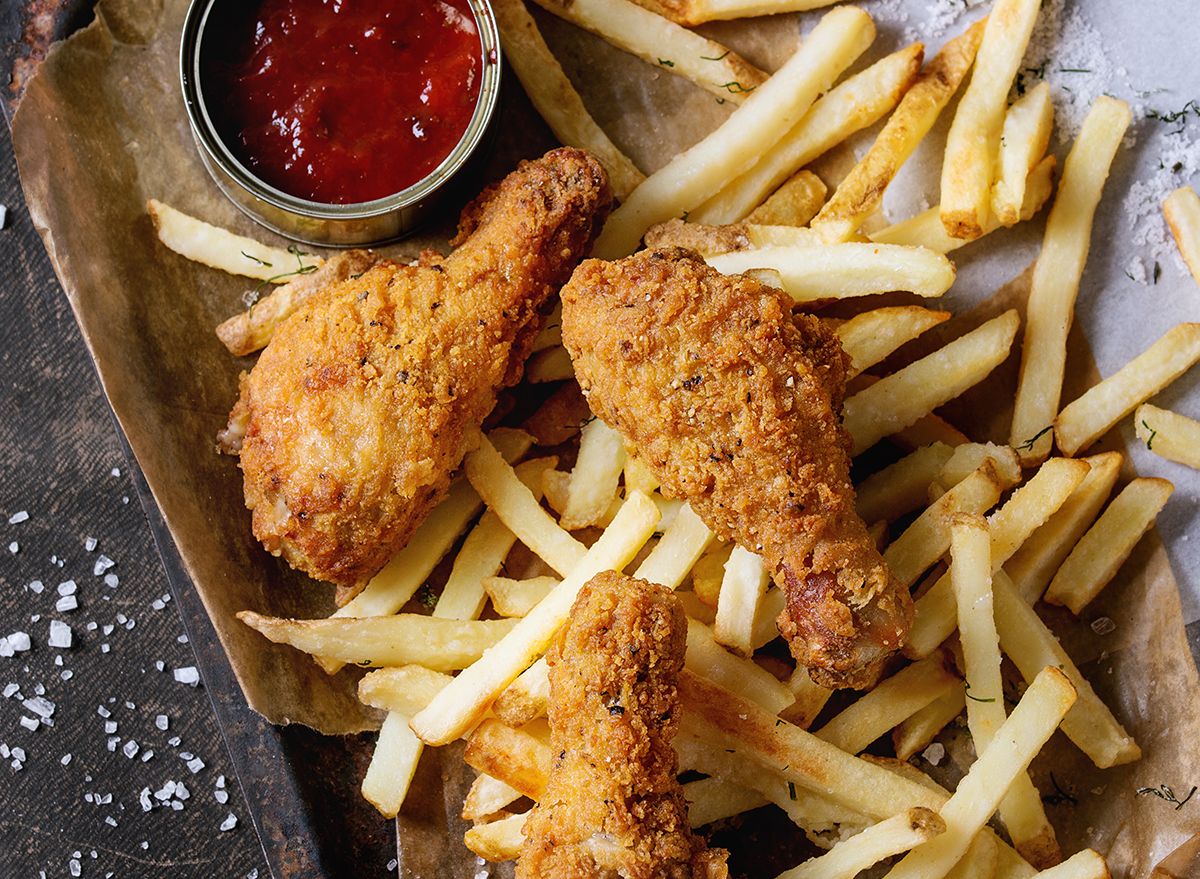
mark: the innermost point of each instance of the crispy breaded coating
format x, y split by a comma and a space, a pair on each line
367, 398
613, 806
734, 404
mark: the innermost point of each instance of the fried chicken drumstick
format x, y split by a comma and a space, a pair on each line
613, 806
368, 397
734, 404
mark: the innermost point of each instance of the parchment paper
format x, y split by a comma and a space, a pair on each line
102, 128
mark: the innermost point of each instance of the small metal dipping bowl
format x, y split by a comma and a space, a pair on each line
314, 222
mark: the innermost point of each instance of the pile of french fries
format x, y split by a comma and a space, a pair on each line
981, 531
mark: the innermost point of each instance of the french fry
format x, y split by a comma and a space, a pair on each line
221, 249
968, 458
871, 336
742, 589
792, 204
855, 104
514, 504
1086, 864
1056, 276
513, 756
897, 401
810, 698
1017, 742
1168, 434
1026, 510
393, 764
555, 98
860, 194
926, 229
251, 330
696, 609
711, 799
980, 861
402, 689
917, 732
902, 487
1182, 210
709, 571
1026, 135
929, 429
928, 537
465, 700
974, 139
487, 796
525, 698
664, 44
1027, 641
549, 365
1099, 554
682, 544
594, 480
766, 627
971, 576
693, 12
483, 552
766, 116
891, 702
442, 645
837, 271
864, 850
499, 840
515, 598
1088, 418
638, 476
708, 659
1032, 566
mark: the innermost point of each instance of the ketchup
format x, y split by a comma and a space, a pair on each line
341, 101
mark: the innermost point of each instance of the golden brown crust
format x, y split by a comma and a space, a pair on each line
369, 396
734, 403
613, 806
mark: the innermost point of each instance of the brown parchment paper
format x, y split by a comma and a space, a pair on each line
102, 128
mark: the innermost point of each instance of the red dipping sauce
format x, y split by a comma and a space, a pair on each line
341, 101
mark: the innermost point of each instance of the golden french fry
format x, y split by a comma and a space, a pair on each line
525, 698
837, 271
513, 756
926, 229
549, 365
897, 401
708, 659
766, 116
1026, 510
221, 249
974, 139
858, 102
968, 458
393, 764
402, 689
860, 194
693, 12
499, 840
766, 626
709, 571
711, 799
917, 732
1182, 210
980, 861
1017, 742
1086, 864
663, 43
867, 848
971, 576
594, 480
487, 796
1026, 135
515, 598
1027, 641
1055, 283
892, 701
442, 645
1168, 434
810, 698
1087, 419
902, 487
742, 589
1100, 553
638, 477
555, 98
1032, 566
871, 336
515, 505
682, 544
792, 204
465, 700
251, 330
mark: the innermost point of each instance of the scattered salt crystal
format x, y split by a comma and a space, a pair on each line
14, 547
129, 705
60, 634
30, 723
66, 674
6, 649
19, 754
19, 641
130, 749
66, 603
159, 665
221, 796
147, 755
116, 471
181, 791
157, 604
103, 563
111, 581
1103, 626
144, 799
220, 781
66, 760
110, 726
4, 751
111, 744
121, 618
102, 711
195, 765
176, 805
18, 518
935, 753
162, 721
392, 865
92, 625
74, 866
187, 675
104, 648
110, 820
68, 587
36, 587
144, 845
253, 874
230, 822
173, 741
107, 630
182, 639
10, 690
165, 792
40, 706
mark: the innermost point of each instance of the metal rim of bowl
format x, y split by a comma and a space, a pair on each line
206, 134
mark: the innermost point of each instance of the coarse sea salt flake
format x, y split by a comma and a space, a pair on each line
90, 544
40, 705
14, 547
111, 581
162, 721
60, 634
230, 822
36, 587
187, 675
66, 603
30, 723
130, 749
19, 517
102, 564
19, 641
195, 765
67, 587
11, 690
